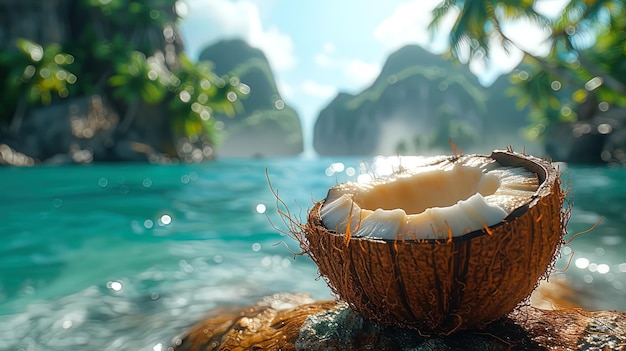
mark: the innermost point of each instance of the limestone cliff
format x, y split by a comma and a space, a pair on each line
264, 125
418, 103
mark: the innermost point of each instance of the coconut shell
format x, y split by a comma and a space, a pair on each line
440, 286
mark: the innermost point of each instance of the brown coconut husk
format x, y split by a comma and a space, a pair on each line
441, 286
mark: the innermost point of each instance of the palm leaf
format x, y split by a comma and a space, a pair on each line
478, 21
439, 13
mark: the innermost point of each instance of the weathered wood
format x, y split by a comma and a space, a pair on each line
294, 322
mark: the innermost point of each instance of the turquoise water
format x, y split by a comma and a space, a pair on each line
127, 256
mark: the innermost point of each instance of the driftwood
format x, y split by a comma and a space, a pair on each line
295, 322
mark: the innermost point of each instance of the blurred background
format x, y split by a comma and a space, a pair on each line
111, 80
151, 126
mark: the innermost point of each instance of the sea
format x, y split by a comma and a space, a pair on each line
128, 256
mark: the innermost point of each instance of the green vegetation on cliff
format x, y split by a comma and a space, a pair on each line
419, 101
265, 124
576, 93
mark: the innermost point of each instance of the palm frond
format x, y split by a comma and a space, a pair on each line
439, 13
469, 31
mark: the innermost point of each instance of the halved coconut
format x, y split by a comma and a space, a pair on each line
442, 244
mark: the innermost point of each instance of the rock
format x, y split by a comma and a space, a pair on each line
417, 103
597, 140
85, 130
264, 125
76, 130
26, 19
614, 150
73, 127
294, 322
10, 157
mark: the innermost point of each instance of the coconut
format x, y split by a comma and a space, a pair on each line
442, 243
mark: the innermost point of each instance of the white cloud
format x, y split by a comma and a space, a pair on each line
361, 73
357, 73
278, 47
551, 8
409, 25
329, 47
318, 90
210, 20
285, 89
324, 61
526, 36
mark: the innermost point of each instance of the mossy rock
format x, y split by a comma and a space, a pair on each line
295, 322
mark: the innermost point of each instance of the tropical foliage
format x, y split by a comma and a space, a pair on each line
127, 51
584, 71
33, 75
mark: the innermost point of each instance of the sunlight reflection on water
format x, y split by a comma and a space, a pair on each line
112, 257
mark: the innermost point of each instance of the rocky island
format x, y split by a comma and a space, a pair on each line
417, 104
265, 125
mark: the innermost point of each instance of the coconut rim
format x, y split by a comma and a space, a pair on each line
507, 158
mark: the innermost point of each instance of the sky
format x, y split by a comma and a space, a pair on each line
319, 48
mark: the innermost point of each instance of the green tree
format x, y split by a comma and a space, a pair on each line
128, 52
586, 65
33, 75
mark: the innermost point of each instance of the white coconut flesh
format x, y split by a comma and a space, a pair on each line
448, 198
